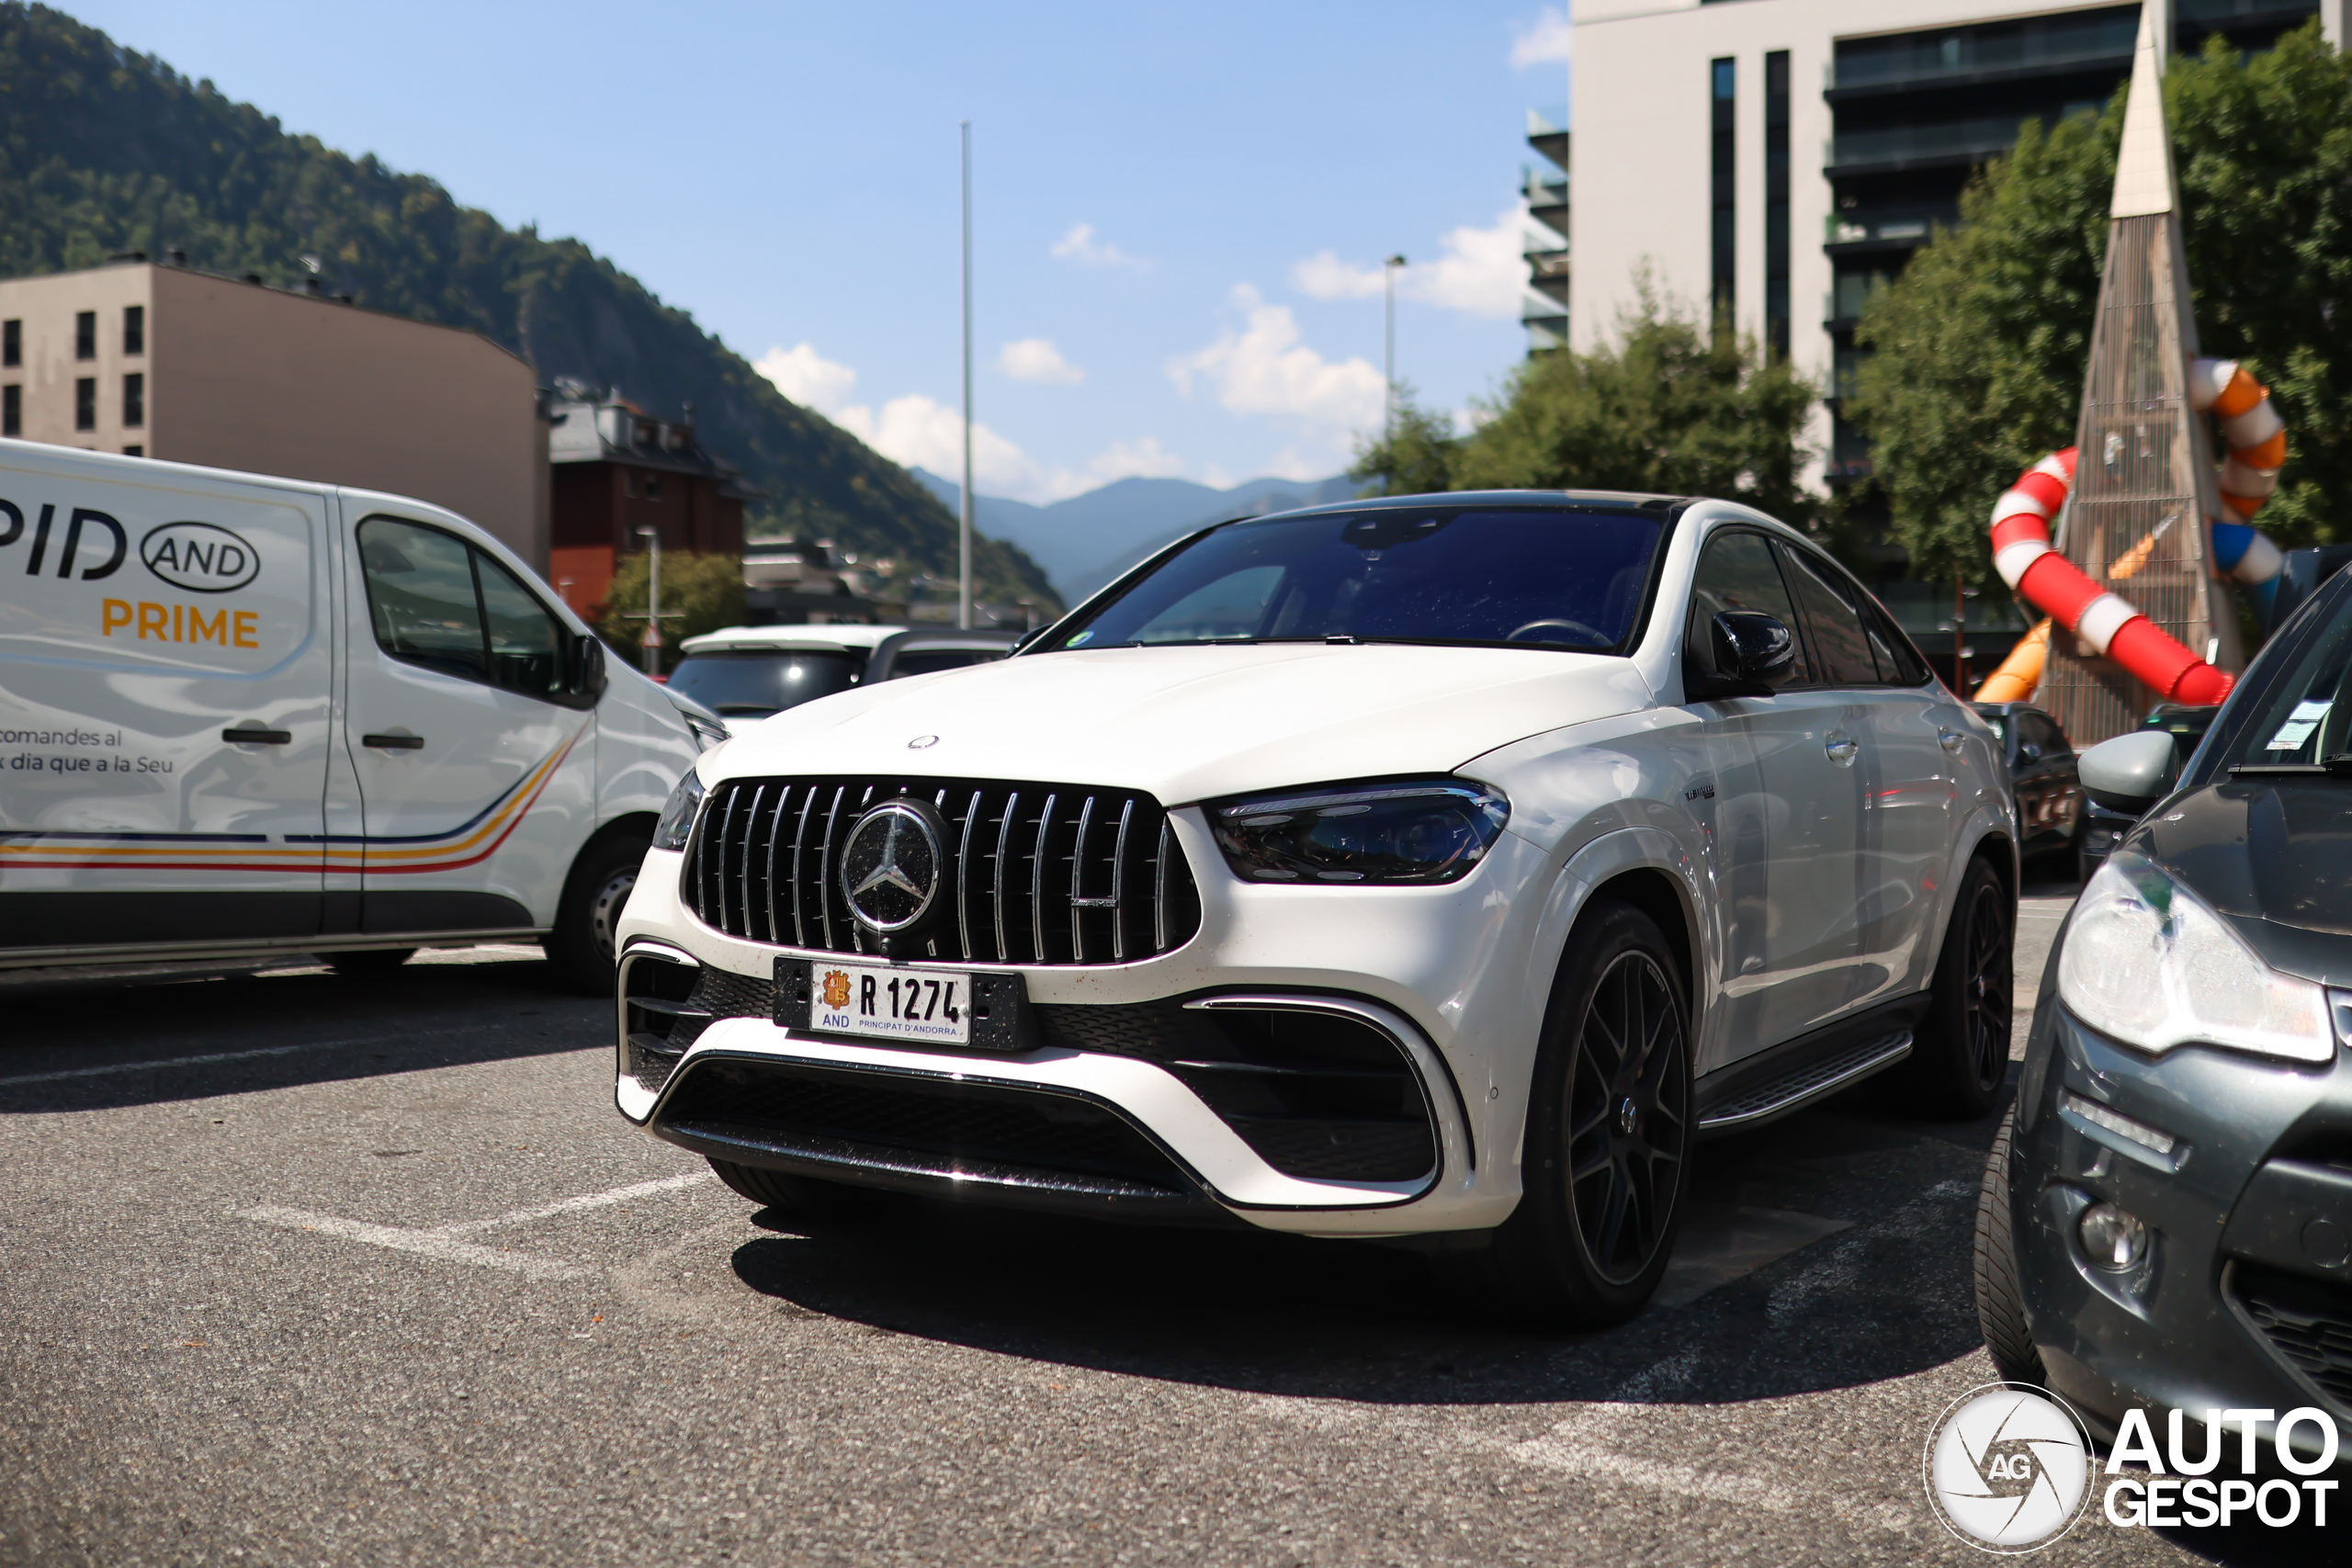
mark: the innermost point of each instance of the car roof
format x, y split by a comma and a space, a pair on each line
804, 638
1610, 499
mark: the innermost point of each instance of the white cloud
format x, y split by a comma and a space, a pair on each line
806, 377
1079, 245
1036, 359
1265, 369
1480, 272
1548, 41
920, 432
1143, 458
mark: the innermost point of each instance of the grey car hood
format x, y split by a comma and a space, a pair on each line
2274, 854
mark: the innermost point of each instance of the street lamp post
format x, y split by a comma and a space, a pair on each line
964, 511
1388, 352
650, 644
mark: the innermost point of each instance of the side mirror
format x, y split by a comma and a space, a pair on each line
2131, 772
1751, 650
1031, 635
588, 679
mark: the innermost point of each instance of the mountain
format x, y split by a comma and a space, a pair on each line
1085, 541
103, 149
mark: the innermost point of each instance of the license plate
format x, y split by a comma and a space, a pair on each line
930, 1007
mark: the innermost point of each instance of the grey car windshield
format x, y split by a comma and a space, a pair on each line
2302, 717
1539, 576
755, 684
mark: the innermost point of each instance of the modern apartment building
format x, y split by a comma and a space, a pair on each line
160, 360
1779, 159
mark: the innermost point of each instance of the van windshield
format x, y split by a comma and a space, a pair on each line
1541, 577
755, 684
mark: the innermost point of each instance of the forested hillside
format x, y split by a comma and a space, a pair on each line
103, 149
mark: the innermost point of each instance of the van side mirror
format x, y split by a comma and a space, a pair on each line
588, 678
2131, 772
1751, 652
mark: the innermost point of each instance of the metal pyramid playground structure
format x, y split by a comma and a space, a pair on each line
2144, 489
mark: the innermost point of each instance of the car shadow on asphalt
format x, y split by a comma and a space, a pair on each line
79, 1044
1880, 1289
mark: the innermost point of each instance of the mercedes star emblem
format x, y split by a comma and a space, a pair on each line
920, 741
890, 866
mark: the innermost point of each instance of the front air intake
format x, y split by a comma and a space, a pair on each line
1040, 873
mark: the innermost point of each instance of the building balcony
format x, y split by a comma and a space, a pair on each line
1555, 288
1547, 132
1920, 146
1543, 264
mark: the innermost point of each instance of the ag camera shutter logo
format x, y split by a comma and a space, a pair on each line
202, 557
2009, 1468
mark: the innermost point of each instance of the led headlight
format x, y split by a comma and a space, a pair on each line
2147, 964
1418, 832
678, 817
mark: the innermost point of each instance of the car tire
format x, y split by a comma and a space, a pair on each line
2000, 1304
1959, 1051
1607, 1151
369, 960
582, 947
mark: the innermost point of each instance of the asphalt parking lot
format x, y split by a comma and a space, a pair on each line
303, 1268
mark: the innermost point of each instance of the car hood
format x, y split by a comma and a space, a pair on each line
2275, 855
1189, 723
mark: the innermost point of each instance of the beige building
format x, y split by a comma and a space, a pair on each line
163, 361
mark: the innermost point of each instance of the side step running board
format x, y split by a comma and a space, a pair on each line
1801, 1087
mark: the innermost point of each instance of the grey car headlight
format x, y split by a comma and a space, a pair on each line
2147, 962
1419, 831
677, 823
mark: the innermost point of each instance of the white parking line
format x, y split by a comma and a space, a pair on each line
211, 1057
441, 1241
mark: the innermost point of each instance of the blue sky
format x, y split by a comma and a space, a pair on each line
1180, 209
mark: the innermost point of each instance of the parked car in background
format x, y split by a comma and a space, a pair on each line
1429, 865
2167, 1219
2103, 826
2042, 769
747, 672
242, 714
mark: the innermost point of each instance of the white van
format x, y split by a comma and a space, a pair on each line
241, 714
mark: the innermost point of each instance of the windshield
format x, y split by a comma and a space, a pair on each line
754, 685
1550, 578
2304, 716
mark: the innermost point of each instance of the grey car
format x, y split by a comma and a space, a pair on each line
2166, 1218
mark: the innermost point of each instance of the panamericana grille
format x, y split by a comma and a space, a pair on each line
1037, 874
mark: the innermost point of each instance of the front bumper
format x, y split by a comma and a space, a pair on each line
2228, 1309
1418, 968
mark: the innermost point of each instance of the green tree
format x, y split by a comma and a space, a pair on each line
1670, 406
699, 593
1980, 345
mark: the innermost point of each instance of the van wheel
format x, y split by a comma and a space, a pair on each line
582, 946
1960, 1054
369, 960
2000, 1303
1607, 1148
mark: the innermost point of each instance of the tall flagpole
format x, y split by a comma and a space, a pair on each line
964, 519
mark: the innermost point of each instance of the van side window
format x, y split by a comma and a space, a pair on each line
421, 593
1842, 652
1738, 573
524, 642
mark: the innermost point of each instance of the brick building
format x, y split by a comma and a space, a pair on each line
614, 470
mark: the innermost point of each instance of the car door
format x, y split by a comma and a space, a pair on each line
1907, 790
2045, 782
166, 677
476, 773
1786, 826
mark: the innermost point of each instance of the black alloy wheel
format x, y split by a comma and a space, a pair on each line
1605, 1154
1959, 1052
1629, 1122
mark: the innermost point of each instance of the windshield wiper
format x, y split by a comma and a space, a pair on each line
2338, 766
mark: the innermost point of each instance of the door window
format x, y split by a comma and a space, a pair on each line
1738, 573
526, 644
421, 593
2043, 735
438, 602
1898, 663
1841, 649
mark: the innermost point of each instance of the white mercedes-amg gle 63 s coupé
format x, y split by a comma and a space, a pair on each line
1435, 866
